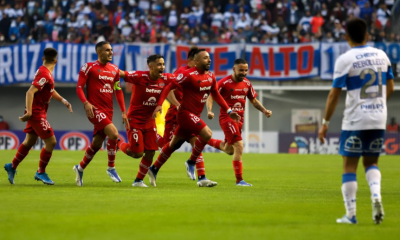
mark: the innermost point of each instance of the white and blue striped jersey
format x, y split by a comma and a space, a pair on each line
363, 71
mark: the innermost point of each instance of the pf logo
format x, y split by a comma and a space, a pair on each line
74, 141
8, 140
104, 146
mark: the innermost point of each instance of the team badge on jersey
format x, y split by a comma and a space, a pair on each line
161, 84
42, 81
113, 72
84, 67
210, 79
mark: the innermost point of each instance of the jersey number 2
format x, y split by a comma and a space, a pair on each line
364, 94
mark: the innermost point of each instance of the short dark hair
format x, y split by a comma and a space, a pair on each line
153, 58
356, 28
50, 55
199, 51
100, 44
240, 61
192, 52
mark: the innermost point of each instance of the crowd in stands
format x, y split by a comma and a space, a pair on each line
190, 21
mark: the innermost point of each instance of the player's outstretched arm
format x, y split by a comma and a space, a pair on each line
122, 74
163, 96
28, 103
331, 103
209, 105
58, 97
221, 102
261, 108
121, 103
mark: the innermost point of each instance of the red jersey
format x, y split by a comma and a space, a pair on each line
196, 86
99, 80
44, 82
178, 91
235, 95
145, 96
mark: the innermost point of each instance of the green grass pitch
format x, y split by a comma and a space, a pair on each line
293, 197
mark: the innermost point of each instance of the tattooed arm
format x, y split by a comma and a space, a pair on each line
261, 108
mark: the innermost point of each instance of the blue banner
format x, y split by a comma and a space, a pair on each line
19, 63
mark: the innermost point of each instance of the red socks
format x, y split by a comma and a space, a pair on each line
197, 149
111, 151
89, 154
215, 143
143, 168
20, 155
238, 168
44, 160
201, 170
165, 153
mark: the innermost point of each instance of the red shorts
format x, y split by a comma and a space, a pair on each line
232, 130
141, 139
39, 127
100, 120
189, 125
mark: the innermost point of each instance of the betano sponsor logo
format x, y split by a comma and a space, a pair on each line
153, 91
238, 97
205, 88
106, 78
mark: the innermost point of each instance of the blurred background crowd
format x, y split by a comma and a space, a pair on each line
190, 21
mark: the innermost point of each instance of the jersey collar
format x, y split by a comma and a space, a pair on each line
363, 46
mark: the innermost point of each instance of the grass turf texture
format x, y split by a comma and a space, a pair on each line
293, 197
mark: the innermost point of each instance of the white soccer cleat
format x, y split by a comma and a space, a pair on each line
79, 176
206, 183
347, 220
139, 184
112, 173
377, 211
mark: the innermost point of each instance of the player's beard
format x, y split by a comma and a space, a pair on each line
207, 67
239, 77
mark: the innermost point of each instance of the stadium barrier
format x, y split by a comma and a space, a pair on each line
268, 142
18, 63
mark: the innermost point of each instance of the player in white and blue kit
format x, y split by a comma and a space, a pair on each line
366, 73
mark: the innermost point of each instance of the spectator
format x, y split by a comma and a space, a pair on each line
229, 16
338, 31
305, 22
366, 12
316, 24
383, 14
231, 5
5, 24
392, 127
173, 19
354, 9
328, 38
217, 20
339, 11
3, 124
293, 17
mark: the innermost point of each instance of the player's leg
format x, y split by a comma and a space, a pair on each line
349, 189
350, 148
217, 144
237, 164
374, 176
165, 153
94, 147
150, 147
144, 166
199, 164
373, 145
112, 133
45, 155
22, 152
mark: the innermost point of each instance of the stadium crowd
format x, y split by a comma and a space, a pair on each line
190, 21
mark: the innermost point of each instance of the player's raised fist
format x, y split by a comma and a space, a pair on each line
210, 115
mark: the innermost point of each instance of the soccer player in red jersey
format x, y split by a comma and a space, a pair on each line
143, 133
176, 94
37, 102
197, 83
102, 80
234, 89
